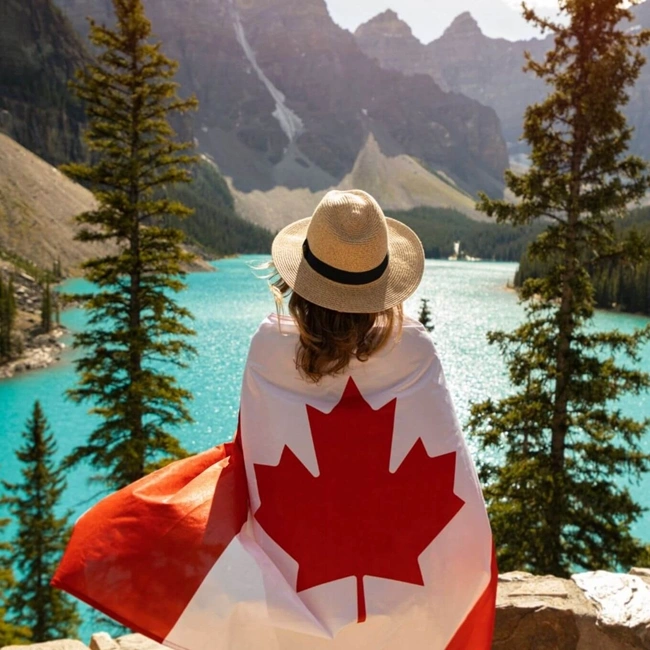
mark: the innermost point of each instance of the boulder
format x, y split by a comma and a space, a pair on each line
103, 641
622, 605
592, 611
137, 642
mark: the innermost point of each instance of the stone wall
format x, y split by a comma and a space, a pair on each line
591, 611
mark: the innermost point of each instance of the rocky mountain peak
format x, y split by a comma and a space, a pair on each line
463, 26
387, 23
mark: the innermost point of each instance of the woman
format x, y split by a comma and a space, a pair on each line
347, 514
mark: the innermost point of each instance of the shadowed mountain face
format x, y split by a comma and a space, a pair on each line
463, 60
489, 70
288, 98
39, 53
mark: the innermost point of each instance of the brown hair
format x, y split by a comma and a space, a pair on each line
330, 339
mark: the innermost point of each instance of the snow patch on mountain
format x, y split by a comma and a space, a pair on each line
290, 123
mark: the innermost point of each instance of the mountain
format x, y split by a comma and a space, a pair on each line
397, 182
463, 60
215, 225
390, 41
37, 209
489, 70
38, 205
428, 18
40, 51
288, 99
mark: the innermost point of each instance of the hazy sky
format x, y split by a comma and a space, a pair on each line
429, 18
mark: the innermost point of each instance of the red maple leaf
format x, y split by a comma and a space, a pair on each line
356, 518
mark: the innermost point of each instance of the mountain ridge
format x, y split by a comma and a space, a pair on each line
372, 170
40, 52
463, 59
250, 63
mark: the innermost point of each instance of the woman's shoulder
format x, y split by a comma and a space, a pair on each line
278, 334
276, 326
415, 336
280, 325
275, 331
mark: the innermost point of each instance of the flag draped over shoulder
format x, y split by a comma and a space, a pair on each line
347, 515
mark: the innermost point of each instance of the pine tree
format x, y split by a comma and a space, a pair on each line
134, 321
46, 308
7, 317
557, 453
10, 634
57, 309
41, 537
425, 315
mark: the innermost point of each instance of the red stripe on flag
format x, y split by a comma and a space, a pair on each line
140, 554
477, 630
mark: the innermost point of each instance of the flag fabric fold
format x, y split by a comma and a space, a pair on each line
346, 515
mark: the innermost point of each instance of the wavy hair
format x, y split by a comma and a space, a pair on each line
329, 339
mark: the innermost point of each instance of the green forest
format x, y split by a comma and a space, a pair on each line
617, 285
439, 228
215, 225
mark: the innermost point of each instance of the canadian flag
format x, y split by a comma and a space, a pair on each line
346, 515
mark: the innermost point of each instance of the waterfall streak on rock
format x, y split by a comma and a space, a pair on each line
290, 123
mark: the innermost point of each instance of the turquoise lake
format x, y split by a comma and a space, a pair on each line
467, 300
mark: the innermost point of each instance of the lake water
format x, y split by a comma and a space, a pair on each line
466, 300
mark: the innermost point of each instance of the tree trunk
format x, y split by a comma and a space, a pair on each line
566, 329
135, 407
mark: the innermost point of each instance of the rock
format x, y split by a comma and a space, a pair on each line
540, 612
390, 40
515, 576
622, 603
62, 644
103, 641
137, 642
644, 573
592, 611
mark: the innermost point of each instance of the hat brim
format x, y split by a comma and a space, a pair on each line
398, 282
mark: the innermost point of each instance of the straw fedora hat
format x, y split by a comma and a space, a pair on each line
348, 256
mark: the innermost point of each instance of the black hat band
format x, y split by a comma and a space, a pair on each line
340, 276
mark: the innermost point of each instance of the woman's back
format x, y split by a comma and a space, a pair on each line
367, 525
347, 515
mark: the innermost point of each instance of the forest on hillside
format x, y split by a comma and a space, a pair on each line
620, 286
439, 228
215, 225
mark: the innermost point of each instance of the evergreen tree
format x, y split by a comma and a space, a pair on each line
557, 453
7, 317
134, 321
41, 537
46, 308
57, 309
425, 315
10, 634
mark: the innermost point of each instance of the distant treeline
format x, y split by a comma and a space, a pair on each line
439, 228
617, 286
215, 225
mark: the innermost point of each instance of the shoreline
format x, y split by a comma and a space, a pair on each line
43, 349
41, 352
